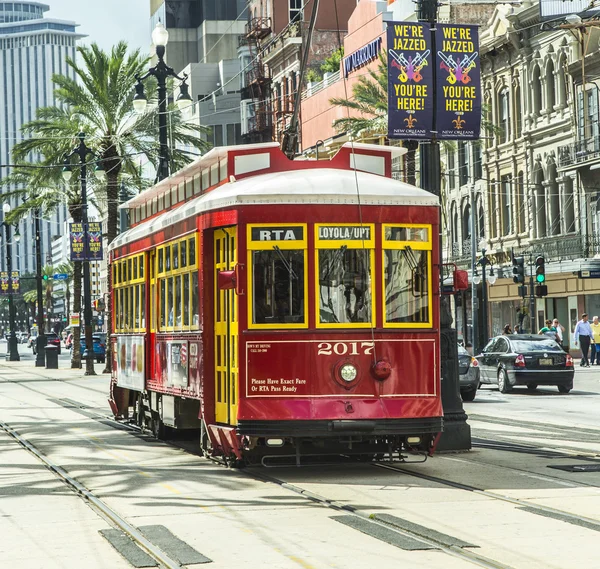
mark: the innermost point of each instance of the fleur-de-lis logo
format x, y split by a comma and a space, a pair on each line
458, 123
410, 121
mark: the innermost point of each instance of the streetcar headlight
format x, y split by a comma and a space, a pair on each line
348, 372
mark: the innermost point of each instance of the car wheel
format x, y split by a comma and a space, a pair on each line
564, 388
468, 395
504, 385
531, 386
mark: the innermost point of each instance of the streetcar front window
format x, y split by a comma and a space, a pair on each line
345, 294
406, 273
278, 286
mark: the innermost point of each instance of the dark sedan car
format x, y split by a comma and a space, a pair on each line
52, 339
523, 359
468, 369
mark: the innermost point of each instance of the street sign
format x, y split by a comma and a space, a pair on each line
589, 274
60, 276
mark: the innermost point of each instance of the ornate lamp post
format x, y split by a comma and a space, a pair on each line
161, 71
83, 151
484, 262
13, 351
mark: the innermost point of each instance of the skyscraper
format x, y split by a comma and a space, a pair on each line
32, 49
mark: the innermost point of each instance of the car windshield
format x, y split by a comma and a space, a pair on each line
536, 345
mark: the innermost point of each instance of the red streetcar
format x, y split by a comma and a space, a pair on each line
283, 308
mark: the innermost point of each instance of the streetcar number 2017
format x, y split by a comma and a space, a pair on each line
346, 348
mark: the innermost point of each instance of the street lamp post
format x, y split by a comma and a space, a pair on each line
40, 342
83, 151
484, 262
161, 71
13, 350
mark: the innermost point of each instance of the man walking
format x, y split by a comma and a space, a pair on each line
595, 349
584, 333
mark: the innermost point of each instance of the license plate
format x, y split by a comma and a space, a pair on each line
546, 361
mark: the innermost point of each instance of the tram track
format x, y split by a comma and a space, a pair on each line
472, 557
99, 506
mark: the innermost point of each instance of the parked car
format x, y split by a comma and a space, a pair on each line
99, 340
525, 359
52, 339
468, 369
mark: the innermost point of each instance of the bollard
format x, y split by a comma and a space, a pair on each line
51, 357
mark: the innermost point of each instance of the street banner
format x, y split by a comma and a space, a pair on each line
410, 80
93, 238
458, 82
15, 284
4, 283
77, 240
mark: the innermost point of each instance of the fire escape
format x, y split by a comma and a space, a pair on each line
258, 84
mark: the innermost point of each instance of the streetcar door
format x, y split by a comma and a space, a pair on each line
226, 330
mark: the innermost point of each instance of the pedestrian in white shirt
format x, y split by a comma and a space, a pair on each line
559, 330
584, 334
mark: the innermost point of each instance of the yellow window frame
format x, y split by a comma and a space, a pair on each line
368, 244
185, 272
417, 246
124, 283
284, 245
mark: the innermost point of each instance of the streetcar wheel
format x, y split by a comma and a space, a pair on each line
468, 395
504, 385
531, 386
564, 388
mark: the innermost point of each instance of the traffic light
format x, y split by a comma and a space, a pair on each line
518, 270
540, 270
45, 277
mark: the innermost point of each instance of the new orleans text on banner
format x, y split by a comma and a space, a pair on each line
458, 82
410, 80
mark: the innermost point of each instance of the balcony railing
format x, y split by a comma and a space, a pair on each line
557, 248
258, 28
579, 152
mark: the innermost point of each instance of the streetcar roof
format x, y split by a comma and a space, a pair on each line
323, 186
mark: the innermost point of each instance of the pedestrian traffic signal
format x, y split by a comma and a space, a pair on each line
541, 290
519, 270
540, 270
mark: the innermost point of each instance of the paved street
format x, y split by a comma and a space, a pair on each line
517, 516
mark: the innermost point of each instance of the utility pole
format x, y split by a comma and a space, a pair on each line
531, 297
457, 433
40, 341
474, 302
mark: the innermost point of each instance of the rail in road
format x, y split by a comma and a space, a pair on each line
411, 526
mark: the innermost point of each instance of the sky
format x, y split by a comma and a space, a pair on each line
107, 21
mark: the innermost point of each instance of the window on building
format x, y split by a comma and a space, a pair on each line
587, 120
295, 10
536, 91
506, 204
518, 111
451, 169
550, 87
477, 166
217, 131
463, 163
562, 81
504, 114
519, 192
493, 212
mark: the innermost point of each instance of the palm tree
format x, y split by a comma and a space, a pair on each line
98, 101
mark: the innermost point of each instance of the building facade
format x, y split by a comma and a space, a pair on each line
530, 184
32, 49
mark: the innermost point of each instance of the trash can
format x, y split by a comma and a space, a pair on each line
51, 357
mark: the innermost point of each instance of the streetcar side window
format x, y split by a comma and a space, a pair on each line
345, 268
195, 301
161, 260
192, 251
163, 302
277, 258
407, 276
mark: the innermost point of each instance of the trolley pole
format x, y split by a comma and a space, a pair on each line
457, 432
